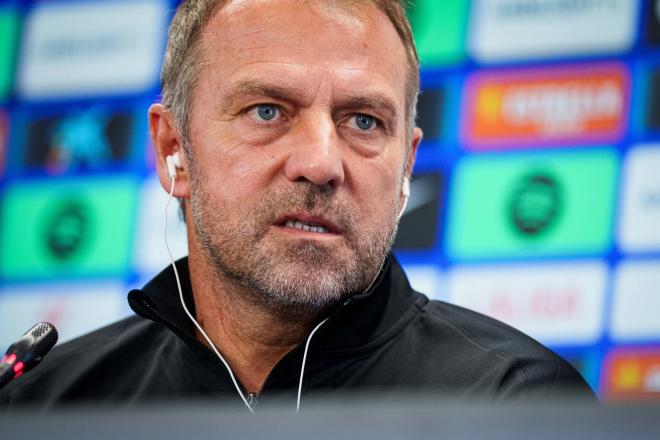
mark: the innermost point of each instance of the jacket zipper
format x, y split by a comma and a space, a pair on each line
252, 400
298, 348
250, 397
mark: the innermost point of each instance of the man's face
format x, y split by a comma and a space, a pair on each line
299, 143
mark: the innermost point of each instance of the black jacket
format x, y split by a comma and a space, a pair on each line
388, 339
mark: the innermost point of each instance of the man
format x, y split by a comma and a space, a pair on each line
294, 126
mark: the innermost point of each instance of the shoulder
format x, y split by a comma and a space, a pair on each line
79, 367
481, 332
520, 365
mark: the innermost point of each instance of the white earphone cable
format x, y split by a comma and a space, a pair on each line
215, 350
183, 303
302, 368
403, 208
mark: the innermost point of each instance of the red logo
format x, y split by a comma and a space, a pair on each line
632, 374
546, 107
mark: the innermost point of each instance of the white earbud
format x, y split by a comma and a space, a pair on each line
405, 191
173, 162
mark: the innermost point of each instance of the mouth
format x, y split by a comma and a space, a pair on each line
308, 223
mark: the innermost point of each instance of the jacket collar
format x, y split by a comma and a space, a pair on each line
364, 318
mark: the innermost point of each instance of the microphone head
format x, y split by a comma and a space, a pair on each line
27, 352
35, 343
45, 338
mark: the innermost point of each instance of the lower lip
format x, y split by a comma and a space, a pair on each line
306, 234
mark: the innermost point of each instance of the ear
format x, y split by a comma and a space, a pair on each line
412, 151
166, 139
411, 156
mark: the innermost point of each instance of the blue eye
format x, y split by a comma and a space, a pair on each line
267, 112
364, 122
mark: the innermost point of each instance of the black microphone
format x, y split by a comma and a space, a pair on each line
27, 352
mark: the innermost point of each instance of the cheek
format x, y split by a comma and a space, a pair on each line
247, 168
245, 173
377, 196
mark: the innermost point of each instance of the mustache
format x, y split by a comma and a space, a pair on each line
308, 197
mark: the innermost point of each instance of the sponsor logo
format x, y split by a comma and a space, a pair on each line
85, 140
640, 210
8, 33
535, 203
636, 301
150, 256
439, 29
523, 29
548, 107
67, 228
632, 374
87, 48
556, 303
419, 224
527, 205
73, 308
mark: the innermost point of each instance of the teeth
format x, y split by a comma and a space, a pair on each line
295, 224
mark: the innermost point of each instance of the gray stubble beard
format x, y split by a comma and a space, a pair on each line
302, 280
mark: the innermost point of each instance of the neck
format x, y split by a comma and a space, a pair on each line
251, 338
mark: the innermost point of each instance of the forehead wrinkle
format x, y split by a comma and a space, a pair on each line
289, 65
260, 87
269, 36
298, 52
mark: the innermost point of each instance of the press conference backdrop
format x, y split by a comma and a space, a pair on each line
535, 199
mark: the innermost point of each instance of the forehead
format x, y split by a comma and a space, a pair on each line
346, 43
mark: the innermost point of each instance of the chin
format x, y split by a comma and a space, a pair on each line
307, 282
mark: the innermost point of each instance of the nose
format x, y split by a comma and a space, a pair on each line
315, 153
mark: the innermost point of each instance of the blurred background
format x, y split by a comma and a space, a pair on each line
535, 199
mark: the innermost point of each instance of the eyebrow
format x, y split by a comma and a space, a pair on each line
368, 100
377, 101
253, 88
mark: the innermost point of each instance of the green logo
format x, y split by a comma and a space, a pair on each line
8, 32
534, 204
67, 228
439, 28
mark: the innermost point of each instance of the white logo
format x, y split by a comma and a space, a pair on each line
73, 308
555, 303
636, 309
639, 226
86, 48
517, 29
